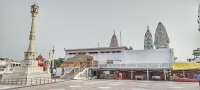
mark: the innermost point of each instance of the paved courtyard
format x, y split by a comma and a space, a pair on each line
100, 84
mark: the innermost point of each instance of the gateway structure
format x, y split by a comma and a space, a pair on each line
119, 61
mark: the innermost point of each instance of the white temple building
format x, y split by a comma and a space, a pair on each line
120, 61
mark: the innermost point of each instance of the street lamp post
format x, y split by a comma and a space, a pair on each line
52, 62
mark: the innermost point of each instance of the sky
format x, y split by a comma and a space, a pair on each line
73, 24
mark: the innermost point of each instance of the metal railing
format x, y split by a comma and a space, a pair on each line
136, 65
68, 69
27, 81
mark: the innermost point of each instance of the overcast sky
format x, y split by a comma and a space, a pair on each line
83, 23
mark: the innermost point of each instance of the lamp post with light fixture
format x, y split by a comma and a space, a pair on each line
52, 62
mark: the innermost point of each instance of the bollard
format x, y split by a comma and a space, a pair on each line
26, 81
31, 81
40, 80
16, 81
21, 81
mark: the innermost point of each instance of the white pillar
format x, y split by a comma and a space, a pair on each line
165, 75
147, 74
74, 71
131, 74
87, 73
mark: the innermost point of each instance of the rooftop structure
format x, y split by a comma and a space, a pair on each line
41, 62
161, 37
148, 40
114, 41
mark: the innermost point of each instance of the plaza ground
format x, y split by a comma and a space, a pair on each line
100, 84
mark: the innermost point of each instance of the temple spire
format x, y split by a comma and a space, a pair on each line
114, 41
161, 37
148, 40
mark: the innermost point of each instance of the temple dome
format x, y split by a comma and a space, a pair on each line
40, 57
114, 41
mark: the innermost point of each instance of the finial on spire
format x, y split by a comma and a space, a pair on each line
148, 27
98, 44
35, 3
114, 31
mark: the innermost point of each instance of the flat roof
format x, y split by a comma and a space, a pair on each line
97, 48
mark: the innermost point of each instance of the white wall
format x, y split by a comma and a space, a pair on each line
136, 56
149, 56
2, 62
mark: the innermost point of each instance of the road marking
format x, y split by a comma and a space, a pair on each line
104, 87
58, 89
75, 86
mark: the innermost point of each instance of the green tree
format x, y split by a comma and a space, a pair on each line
58, 62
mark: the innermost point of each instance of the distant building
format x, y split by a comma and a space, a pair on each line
3, 64
41, 62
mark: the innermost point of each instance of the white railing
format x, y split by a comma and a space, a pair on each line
136, 65
68, 69
80, 74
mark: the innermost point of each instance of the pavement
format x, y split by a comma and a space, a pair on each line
99, 84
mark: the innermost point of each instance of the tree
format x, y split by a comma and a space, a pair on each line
58, 62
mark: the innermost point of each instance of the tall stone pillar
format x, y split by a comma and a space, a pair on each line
29, 69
